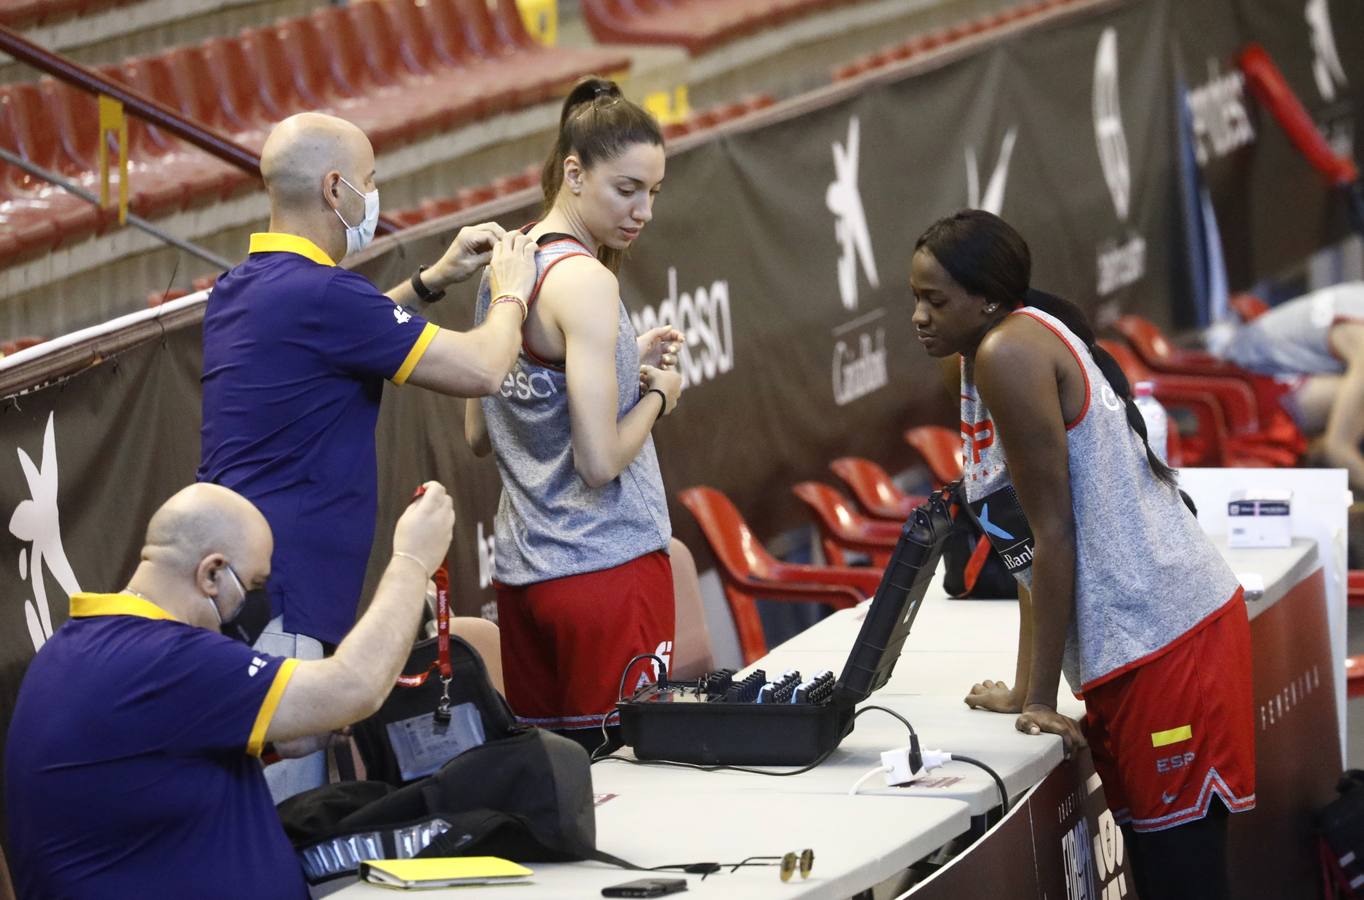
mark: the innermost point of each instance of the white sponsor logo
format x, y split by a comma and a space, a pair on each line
859, 371
1017, 560
1326, 67
521, 385
1179, 761
850, 220
36, 521
1276, 708
1221, 124
1077, 853
1120, 262
256, 665
1109, 398
993, 199
1108, 850
663, 651
487, 561
402, 315
1108, 130
702, 315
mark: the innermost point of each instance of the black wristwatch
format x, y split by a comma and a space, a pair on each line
421, 290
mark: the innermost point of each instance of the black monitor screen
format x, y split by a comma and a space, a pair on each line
897, 601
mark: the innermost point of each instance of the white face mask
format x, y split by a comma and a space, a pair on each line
359, 236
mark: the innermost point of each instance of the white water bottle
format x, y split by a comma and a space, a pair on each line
1157, 424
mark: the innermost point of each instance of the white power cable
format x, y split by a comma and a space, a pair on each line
869, 774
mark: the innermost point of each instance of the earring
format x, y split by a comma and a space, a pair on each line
992, 307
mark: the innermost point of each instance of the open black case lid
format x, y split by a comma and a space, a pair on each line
898, 598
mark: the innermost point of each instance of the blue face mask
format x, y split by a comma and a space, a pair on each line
358, 236
251, 618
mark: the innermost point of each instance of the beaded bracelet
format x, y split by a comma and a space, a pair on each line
511, 298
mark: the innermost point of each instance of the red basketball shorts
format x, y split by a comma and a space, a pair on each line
566, 641
1173, 732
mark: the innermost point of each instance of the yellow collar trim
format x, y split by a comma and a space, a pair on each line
277, 242
86, 605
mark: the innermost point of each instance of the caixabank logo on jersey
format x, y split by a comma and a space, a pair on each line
859, 347
702, 314
1121, 258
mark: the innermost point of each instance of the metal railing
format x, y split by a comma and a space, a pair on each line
153, 111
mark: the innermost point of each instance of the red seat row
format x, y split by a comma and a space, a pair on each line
1255, 429
8, 348
435, 207
697, 25
20, 14
941, 37
400, 69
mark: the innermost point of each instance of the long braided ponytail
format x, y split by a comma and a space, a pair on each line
987, 257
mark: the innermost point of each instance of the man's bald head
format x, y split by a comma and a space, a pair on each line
302, 149
204, 519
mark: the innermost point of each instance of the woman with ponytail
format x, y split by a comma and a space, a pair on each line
583, 579
1118, 585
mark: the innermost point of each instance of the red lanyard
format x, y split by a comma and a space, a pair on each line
442, 663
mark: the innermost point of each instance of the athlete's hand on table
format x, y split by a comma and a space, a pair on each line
468, 252
994, 696
1037, 718
658, 347
669, 381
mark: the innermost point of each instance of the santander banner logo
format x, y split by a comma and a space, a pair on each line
1121, 262
1108, 130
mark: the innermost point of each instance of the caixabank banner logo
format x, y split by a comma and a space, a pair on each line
859, 345
1121, 259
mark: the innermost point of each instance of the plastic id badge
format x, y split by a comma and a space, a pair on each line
421, 748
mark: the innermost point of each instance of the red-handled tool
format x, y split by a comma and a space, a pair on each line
1269, 87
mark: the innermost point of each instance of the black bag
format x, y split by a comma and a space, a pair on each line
972, 568
479, 713
1341, 826
525, 797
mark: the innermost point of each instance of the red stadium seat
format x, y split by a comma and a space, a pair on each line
1354, 676
156, 298
262, 53
41, 214
448, 102
747, 571
1203, 400
843, 530
241, 103
1247, 307
874, 489
166, 174
941, 450
400, 69
1264, 428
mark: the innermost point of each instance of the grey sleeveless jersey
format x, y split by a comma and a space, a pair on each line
1291, 339
549, 522
1145, 573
